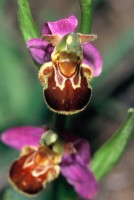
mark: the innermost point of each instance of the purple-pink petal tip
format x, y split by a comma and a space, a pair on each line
22, 136
62, 26
75, 168
92, 57
40, 50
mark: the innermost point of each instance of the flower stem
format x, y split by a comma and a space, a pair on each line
58, 122
26, 22
86, 16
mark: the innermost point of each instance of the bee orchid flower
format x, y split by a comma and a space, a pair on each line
69, 62
39, 162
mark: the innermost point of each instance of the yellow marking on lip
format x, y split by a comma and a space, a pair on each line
24, 183
63, 101
54, 88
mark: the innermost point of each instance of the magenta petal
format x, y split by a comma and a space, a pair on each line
74, 167
81, 146
22, 136
40, 50
83, 151
92, 57
63, 26
79, 176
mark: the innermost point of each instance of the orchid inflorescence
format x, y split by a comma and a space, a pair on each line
69, 63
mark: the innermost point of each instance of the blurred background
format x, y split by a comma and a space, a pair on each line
21, 101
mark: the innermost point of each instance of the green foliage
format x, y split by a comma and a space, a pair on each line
86, 16
109, 154
16, 85
26, 22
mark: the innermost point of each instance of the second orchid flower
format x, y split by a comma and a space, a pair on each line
38, 164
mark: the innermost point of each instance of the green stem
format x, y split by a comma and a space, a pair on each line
86, 16
26, 22
59, 122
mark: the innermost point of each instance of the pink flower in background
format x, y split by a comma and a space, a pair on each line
39, 164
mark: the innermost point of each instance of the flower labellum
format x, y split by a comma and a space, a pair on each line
34, 169
66, 80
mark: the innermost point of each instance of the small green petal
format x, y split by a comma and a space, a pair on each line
109, 154
70, 43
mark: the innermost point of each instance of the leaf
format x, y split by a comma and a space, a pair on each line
109, 154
